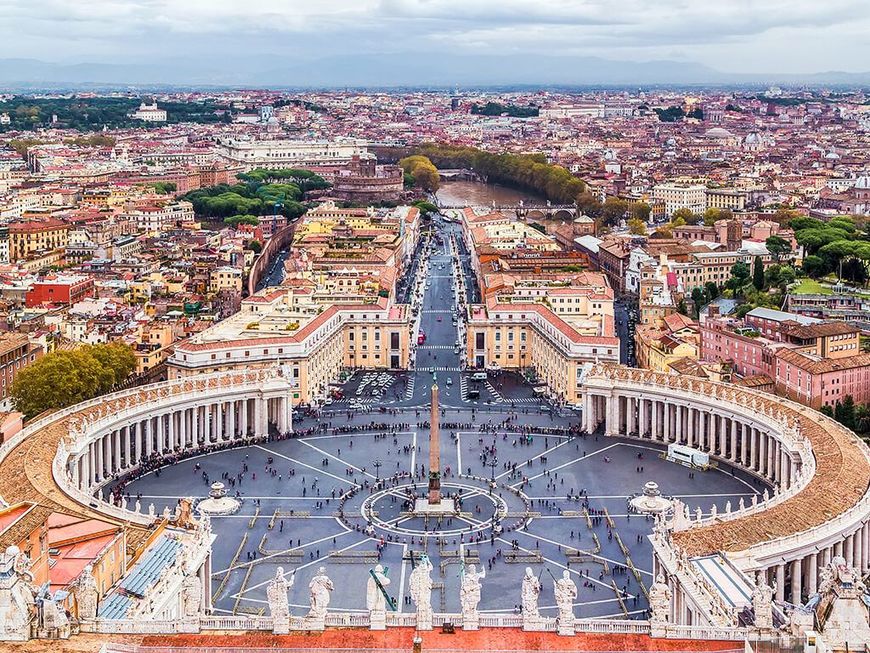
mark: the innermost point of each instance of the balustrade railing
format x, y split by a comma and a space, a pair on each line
361, 620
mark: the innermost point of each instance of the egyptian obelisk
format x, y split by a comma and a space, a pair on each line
434, 452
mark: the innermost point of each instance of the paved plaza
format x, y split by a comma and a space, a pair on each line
339, 494
291, 492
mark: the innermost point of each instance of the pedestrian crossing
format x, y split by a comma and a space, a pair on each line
409, 388
438, 369
463, 388
434, 347
496, 395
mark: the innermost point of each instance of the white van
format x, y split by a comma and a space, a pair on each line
478, 376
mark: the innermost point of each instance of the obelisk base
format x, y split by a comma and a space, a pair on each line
425, 507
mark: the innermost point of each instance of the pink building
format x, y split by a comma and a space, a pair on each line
818, 382
810, 361
749, 356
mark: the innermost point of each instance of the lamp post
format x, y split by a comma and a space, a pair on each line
492, 462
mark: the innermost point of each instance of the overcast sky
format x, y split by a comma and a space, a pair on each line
730, 35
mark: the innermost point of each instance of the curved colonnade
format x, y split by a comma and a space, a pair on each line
818, 469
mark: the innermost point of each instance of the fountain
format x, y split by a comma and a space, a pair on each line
218, 503
650, 500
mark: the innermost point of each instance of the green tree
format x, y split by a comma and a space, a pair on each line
699, 298
614, 210
165, 187
758, 273
681, 307
778, 247
779, 276
637, 227
426, 208
862, 420
255, 246
236, 220
814, 266
845, 412
640, 211
712, 290
64, 378
423, 171
683, 214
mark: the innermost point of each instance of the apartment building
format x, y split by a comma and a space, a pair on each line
27, 237
814, 362
677, 196
314, 341
16, 352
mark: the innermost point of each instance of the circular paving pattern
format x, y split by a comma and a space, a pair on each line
559, 503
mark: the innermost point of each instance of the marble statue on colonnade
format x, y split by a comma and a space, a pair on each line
17, 596
529, 593
566, 593
279, 603
319, 589
421, 592
841, 607
469, 596
87, 594
659, 605
762, 603
376, 598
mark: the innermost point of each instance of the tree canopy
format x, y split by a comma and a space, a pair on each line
90, 113
498, 109
423, 171
236, 220
63, 378
833, 246
264, 192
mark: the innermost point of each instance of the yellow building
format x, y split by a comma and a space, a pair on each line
531, 336
316, 342
656, 347
225, 278
29, 237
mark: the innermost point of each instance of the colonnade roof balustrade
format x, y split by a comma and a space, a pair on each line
26, 459
840, 482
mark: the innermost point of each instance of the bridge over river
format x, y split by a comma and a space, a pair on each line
523, 210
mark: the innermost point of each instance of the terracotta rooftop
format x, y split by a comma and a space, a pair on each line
822, 366
486, 639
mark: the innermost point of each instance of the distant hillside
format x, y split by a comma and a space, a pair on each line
398, 70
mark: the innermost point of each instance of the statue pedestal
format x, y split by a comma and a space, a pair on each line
658, 629
377, 620
281, 625
424, 620
533, 623
471, 621
314, 623
566, 627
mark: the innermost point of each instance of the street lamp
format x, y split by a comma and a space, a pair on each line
492, 463
377, 465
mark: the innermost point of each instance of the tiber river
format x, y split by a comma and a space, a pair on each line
476, 193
